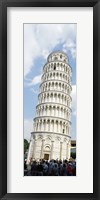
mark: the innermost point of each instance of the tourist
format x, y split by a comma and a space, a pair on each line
50, 168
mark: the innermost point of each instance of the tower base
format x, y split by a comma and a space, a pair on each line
49, 146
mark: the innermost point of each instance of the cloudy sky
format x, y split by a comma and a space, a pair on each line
39, 41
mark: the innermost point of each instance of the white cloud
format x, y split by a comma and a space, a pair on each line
28, 128
40, 39
70, 46
73, 52
73, 99
34, 91
31, 49
36, 80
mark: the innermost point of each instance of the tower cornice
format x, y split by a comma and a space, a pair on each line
53, 103
63, 72
48, 132
57, 91
51, 118
56, 61
56, 80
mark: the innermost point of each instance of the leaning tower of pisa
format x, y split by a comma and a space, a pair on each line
51, 135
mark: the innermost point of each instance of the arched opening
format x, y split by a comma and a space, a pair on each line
63, 130
54, 66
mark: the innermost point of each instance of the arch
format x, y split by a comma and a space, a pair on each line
68, 90
60, 86
50, 75
47, 97
54, 66
52, 125
64, 112
60, 126
39, 137
51, 64
47, 148
61, 113
48, 137
63, 99
58, 64
56, 123
51, 96
57, 75
54, 74
59, 98
57, 110
63, 86
52, 85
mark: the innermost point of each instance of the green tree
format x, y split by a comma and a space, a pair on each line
73, 155
26, 145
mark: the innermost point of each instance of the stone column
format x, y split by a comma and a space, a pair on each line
67, 151
69, 147
33, 126
47, 125
55, 126
30, 152
51, 110
69, 130
42, 125
61, 127
38, 126
42, 149
45, 111
50, 126
66, 129
48, 111
52, 147
58, 127
61, 150
34, 148
58, 111
53, 98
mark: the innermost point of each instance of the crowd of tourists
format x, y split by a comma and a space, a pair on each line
50, 168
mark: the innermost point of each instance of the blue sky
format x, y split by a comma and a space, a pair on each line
39, 41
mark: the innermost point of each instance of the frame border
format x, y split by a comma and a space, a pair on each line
3, 94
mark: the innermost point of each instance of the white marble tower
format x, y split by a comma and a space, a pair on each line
51, 138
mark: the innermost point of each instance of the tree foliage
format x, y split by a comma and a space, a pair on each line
26, 145
73, 155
